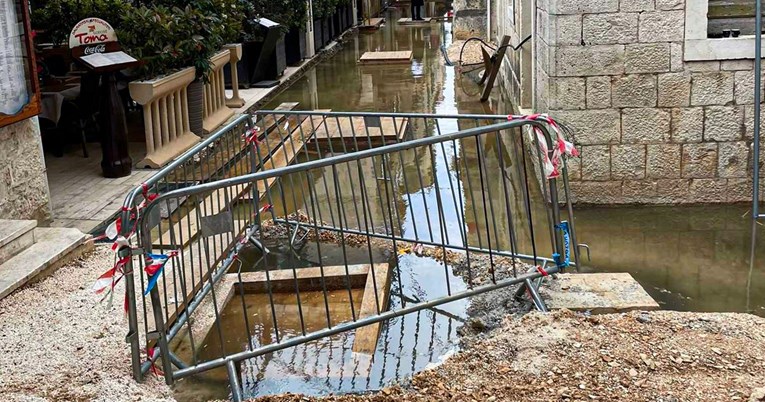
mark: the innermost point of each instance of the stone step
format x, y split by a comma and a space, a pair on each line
51, 245
15, 236
598, 293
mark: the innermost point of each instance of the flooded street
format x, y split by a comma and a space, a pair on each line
687, 258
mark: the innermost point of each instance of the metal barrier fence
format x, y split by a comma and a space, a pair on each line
358, 190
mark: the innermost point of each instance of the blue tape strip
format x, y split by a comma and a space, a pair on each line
563, 227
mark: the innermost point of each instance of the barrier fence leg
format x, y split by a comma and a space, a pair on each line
233, 378
132, 336
538, 302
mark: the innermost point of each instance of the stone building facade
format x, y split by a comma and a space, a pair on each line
24, 190
661, 114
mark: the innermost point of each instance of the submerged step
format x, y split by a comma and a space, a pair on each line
52, 245
15, 236
598, 293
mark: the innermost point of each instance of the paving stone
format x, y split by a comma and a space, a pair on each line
599, 293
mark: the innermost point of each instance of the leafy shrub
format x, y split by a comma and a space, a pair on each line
168, 38
58, 17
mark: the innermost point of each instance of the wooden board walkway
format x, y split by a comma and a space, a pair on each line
409, 21
398, 57
365, 339
371, 24
347, 134
218, 200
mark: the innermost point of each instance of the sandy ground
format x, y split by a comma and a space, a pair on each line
59, 344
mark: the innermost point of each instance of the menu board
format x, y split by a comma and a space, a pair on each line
13, 86
107, 59
19, 89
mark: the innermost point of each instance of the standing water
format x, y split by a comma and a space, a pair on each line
688, 258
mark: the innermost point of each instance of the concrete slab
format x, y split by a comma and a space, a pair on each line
400, 57
599, 293
15, 236
52, 245
371, 24
409, 21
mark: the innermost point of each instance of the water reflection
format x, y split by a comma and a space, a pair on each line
689, 258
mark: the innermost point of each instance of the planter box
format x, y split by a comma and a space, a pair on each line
165, 116
215, 110
294, 46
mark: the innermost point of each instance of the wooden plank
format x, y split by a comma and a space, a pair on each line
371, 24
365, 339
409, 21
216, 202
309, 279
495, 68
398, 57
286, 153
347, 134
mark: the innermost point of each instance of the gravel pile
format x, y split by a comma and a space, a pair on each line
58, 343
657, 356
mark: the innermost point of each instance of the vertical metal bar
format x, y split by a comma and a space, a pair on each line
757, 108
132, 336
233, 378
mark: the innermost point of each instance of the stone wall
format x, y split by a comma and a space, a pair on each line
23, 182
651, 127
469, 19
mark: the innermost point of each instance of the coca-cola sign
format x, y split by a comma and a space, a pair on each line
91, 31
94, 49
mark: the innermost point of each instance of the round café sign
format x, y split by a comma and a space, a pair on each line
91, 31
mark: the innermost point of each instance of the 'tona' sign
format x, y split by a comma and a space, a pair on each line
91, 31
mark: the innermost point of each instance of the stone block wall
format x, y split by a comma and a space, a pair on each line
469, 19
24, 190
651, 127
